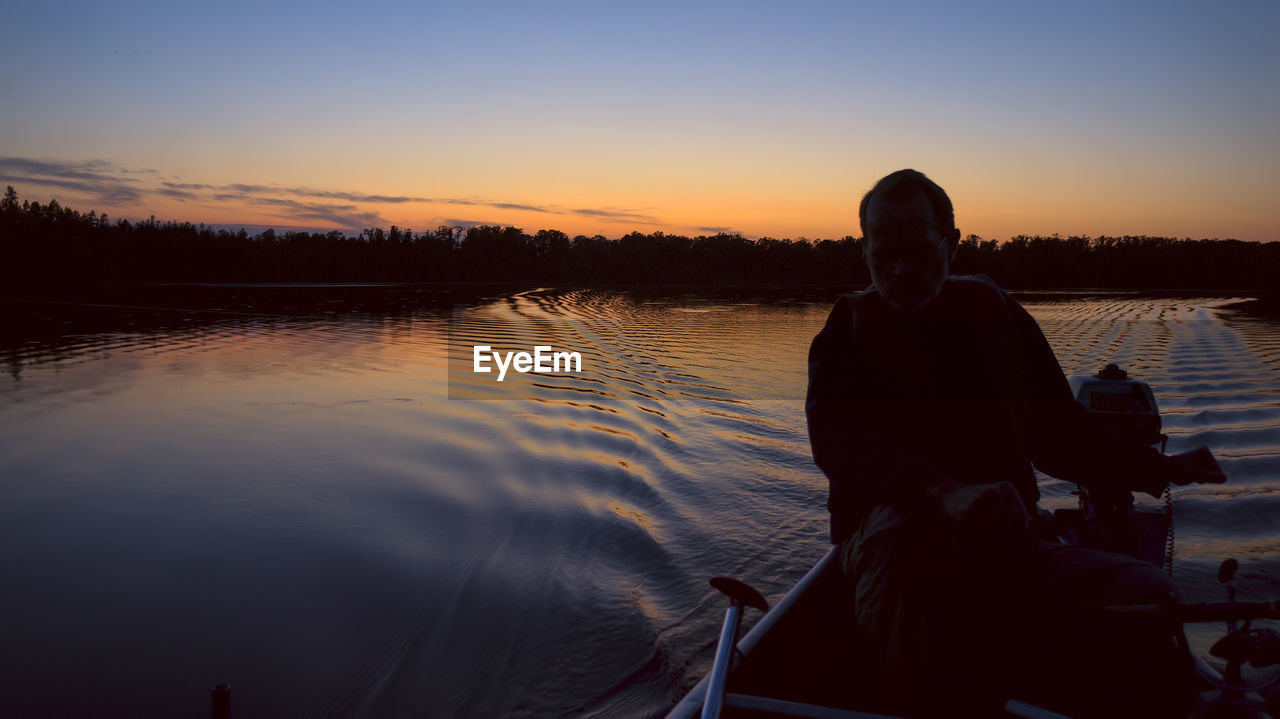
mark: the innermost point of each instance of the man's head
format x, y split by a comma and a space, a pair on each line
909, 238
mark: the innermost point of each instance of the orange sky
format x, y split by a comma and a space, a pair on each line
767, 121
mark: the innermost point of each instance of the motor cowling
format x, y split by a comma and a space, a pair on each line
1121, 406
1123, 409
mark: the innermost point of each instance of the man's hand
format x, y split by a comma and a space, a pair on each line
1196, 467
986, 512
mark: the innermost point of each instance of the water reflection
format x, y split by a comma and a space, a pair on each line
272, 488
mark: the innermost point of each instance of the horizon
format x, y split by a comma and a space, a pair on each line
257, 230
1143, 119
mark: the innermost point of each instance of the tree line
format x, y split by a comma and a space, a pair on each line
50, 245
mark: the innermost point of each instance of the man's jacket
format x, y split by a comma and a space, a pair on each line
968, 390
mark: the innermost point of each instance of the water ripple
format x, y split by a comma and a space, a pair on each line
541, 550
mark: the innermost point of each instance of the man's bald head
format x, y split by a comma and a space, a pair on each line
909, 238
904, 183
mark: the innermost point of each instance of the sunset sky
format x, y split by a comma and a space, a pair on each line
769, 119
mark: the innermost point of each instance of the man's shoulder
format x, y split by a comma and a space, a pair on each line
848, 302
979, 293
867, 292
975, 292
976, 284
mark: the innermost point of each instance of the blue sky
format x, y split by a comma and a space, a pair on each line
764, 118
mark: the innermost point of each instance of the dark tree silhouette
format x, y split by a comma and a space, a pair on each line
50, 246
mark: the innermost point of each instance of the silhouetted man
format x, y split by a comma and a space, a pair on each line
931, 398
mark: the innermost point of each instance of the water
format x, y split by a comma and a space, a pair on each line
277, 491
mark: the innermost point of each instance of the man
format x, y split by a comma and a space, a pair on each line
931, 398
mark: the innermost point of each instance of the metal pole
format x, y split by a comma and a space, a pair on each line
724, 657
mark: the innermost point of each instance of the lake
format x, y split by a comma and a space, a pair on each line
305, 492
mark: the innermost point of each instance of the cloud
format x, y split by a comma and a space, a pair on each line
103, 180
514, 206
261, 194
182, 195
89, 170
342, 216
357, 197
186, 186
113, 184
611, 213
607, 213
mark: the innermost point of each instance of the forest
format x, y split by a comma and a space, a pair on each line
50, 246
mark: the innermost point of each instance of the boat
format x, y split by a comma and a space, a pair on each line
800, 659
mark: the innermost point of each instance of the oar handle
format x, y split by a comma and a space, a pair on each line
740, 594
720, 669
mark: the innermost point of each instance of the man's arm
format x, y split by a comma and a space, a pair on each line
1065, 443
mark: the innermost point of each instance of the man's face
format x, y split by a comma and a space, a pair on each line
908, 256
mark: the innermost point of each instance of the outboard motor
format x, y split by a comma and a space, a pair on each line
1123, 408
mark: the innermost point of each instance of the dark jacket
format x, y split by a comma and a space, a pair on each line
967, 390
